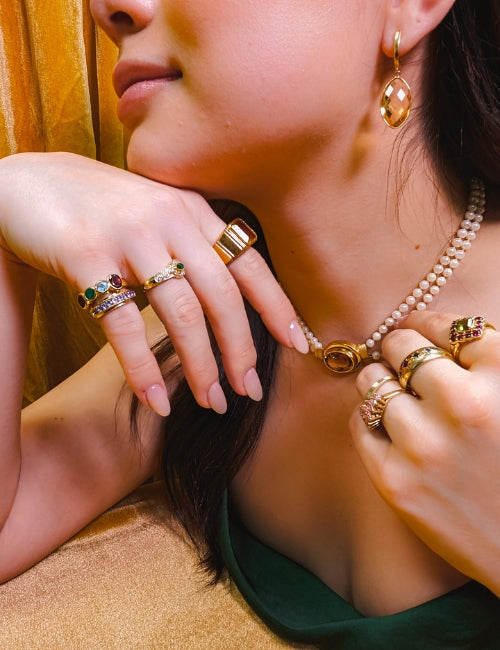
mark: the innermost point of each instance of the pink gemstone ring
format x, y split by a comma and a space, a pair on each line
372, 409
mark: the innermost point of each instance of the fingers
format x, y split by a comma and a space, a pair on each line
373, 382
260, 288
126, 332
429, 373
210, 290
423, 438
481, 352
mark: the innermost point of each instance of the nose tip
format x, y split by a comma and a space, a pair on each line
119, 18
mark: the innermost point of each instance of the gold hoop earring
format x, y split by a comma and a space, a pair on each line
395, 105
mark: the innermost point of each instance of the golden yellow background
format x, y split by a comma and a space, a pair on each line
56, 95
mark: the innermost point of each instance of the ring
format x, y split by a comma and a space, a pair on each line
415, 359
112, 284
466, 330
235, 239
372, 409
113, 301
173, 270
376, 384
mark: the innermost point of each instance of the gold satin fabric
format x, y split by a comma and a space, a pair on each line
56, 95
127, 581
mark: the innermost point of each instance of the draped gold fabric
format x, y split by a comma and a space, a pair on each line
128, 581
56, 95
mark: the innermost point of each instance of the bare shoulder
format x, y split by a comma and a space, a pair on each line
79, 457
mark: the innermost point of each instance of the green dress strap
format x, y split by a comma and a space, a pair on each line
300, 607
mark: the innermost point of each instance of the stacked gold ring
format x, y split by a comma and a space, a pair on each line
113, 283
372, 409
377, 384
236, 238
113, 301
105, 295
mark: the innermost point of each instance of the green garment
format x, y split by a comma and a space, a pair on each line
298, 606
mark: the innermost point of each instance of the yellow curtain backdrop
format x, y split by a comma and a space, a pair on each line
56, 95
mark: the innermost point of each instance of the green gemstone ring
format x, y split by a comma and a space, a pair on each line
174, 270
112, 284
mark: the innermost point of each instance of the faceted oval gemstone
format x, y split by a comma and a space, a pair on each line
395, 104
115, 281
341, 358
81, 300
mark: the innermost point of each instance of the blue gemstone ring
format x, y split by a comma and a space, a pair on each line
112, 284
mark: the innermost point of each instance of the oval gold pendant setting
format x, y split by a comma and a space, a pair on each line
343, 357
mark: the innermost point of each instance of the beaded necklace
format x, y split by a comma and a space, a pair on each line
343, 357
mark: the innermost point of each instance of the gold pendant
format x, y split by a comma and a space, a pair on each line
343, 357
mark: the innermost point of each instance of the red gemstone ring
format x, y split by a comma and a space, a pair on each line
101, 289
466, 330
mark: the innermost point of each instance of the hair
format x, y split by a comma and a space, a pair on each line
203, 451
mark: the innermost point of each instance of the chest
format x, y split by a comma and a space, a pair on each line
306, 494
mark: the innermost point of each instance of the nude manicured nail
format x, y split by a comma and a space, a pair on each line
156, 396
298, 338
217, 399
252, 385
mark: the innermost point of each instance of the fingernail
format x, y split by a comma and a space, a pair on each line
298, 338
156, 396
217, 399
252, 385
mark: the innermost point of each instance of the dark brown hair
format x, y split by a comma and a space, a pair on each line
203, 451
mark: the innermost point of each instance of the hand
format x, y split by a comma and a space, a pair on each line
81, 220
436, 458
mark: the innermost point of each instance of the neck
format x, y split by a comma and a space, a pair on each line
348, 254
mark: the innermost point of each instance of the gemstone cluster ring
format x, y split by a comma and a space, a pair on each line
466, 330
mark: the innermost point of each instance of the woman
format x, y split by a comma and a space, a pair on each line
276, 106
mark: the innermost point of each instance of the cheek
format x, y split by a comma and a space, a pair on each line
270, 85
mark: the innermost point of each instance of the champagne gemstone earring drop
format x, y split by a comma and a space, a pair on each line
395, 104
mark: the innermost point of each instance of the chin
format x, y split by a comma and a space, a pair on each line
178, 173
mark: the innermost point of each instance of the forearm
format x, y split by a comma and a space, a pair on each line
17, 290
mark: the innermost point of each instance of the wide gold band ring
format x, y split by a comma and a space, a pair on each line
173, 270
372, 410
415, 359
235, 239
466, 330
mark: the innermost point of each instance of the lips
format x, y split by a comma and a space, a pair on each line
127, 73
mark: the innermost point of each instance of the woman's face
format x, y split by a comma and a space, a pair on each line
220, 94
